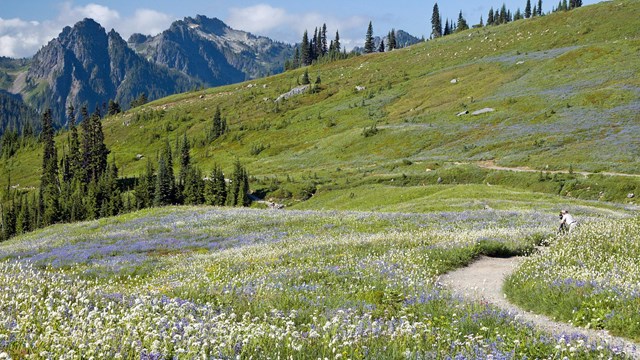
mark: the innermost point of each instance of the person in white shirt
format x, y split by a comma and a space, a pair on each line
567, 222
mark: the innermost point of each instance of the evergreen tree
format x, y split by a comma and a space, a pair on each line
436, 22
49, 183
336, 43
381, 47
481, 24
163, 190
193, 193
518, 15
391, 40
113, 204
75, 157
305, 55
539, 8
219, 126
490, 18
305, 78
239, 188
503, 14
145, 189
368, 41
325, 48
447, 28
534, 12
114, 108
215, 190
185, 160
527, 10
296, 58
462, 23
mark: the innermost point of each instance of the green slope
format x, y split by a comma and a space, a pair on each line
565, 89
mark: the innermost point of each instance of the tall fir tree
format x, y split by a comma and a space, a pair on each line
336, 43
325, 48
462, 23
49, 183
185, 160
305, 50
368, 40
193, 193
539, 8
527, 10
391, 40
436, 22
491, 17
215, 190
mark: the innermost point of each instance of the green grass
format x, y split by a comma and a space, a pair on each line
589, 278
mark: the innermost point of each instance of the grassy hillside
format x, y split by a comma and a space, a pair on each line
564, 88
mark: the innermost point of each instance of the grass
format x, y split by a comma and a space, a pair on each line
589, 278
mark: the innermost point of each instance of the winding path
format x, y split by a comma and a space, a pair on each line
483, 279
491, 165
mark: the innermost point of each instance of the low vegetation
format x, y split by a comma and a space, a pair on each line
590, 278
190, 282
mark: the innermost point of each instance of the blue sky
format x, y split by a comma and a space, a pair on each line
27, 25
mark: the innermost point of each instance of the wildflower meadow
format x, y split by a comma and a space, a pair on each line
216, 283
590, 278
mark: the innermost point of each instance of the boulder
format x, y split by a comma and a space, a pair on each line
483, 111
463, 113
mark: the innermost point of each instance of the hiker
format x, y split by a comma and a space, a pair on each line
567, 222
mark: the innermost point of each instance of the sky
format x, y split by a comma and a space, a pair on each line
27, 25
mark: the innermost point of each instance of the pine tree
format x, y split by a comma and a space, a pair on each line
391, 40
215, 190
113, 108
325, 48
490, 18
527, 10
163, 189
381, 47
503, 14
145, 189
305, 78
336, 43
368, 41
462, 23
219, 126
305, 55
539, 8
49, 183
447, 28
436, 22
185, 160
193, 193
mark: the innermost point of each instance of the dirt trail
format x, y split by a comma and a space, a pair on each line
492, 166
483, 279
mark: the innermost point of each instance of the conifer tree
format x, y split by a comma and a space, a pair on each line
185, 160
239, 187
325, 48
305, 78
145, 189
49, 183
368, 41
336, 43
527, 10
193, 193
163, 189
462, 23
215, 190
113, 108
305, 55
539, 8
447, 28
490, 17
381, 47
436, 22
391, 40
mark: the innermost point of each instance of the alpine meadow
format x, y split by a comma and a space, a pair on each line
319, 213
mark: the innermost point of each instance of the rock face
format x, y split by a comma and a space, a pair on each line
212, 52
86, 66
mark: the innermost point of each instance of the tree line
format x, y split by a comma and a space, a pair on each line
501, 15
82, 184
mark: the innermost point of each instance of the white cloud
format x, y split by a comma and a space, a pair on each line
277, 23
258, 18
22, 38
